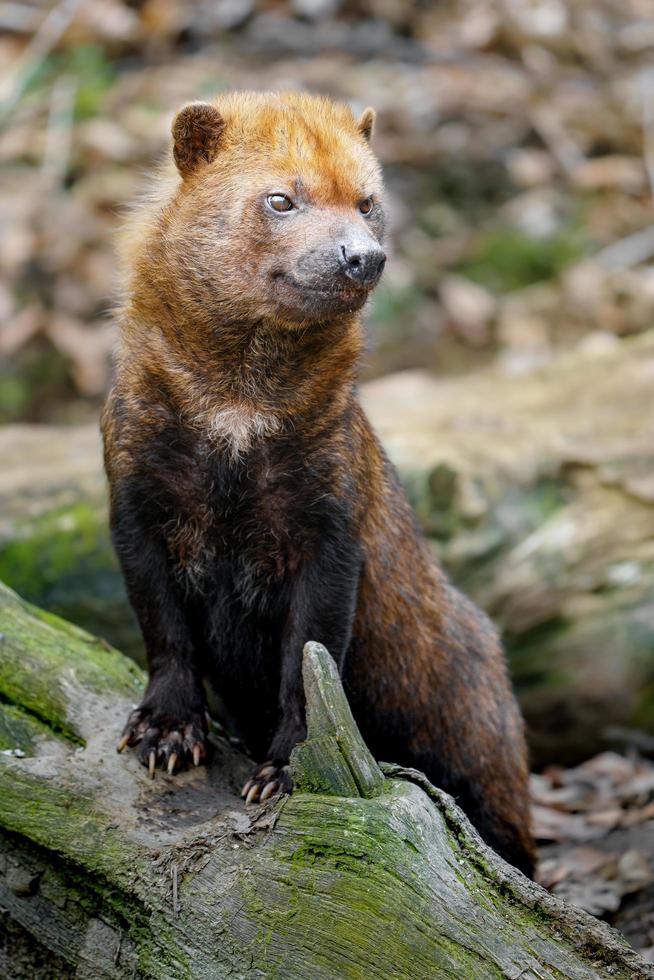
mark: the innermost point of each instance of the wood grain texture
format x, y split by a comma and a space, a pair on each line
335, 755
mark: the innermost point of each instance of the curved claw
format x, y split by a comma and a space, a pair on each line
266, 781
162, 741
269, 789
252, 794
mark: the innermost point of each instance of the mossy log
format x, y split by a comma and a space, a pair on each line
359, 873
536, 491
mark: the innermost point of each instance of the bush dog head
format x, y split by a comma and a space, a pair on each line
276, 214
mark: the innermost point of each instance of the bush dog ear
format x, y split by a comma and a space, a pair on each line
366, 123
197, 129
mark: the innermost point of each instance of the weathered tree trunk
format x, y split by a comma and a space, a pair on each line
537, 492
106, 874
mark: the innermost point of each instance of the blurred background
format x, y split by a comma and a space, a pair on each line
510, 368
514, 136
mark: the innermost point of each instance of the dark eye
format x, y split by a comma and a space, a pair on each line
279, 202
365, 207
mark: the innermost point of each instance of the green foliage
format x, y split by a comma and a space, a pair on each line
388, 305
15, 397
507, 259
34, 378
95, 74
468, 185
89, 64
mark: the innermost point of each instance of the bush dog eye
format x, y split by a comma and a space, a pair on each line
279, 202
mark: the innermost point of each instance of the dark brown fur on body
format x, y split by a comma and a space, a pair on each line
253, 508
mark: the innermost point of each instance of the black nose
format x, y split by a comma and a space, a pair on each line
364, 263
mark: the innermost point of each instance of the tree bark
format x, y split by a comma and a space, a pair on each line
359, 873
536, 491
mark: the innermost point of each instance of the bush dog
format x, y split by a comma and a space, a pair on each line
252, 506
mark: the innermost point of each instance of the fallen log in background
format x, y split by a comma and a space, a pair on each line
536, 491
104, 873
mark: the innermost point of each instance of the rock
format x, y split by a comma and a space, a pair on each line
626, 173
470, 306
529, 167
315, 10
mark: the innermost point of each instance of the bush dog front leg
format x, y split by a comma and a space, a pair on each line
169, 726
322, 607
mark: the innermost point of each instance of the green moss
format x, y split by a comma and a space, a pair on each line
61, 538
41, 656
20, 730
63, 561
307, 855
353, 858
318, 766
52, 817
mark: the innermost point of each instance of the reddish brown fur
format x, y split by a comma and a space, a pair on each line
211, 342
